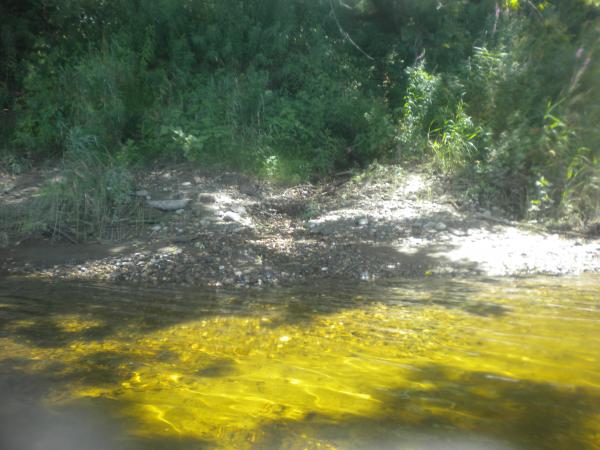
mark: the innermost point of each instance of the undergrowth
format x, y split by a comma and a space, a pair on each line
501, 97
91, 196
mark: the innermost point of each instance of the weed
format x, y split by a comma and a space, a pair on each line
91, 197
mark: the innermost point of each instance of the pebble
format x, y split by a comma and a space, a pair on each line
206, 198
222, 258
363, 221
231, 216
7, 188
169, 205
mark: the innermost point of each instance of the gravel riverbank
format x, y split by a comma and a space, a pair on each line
230, 230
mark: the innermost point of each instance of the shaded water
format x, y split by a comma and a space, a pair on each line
438, 364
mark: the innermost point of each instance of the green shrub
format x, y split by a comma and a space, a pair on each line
415, 117
453, 144
290, 88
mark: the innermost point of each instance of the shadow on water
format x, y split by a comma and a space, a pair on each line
218, 368
437, 406
34, 312
46, 333
85, 424
102, 368
304, 306
460, 411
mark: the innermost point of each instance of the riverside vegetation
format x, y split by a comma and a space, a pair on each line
500, 97
299, 224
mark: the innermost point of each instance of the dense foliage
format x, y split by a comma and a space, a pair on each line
500, 95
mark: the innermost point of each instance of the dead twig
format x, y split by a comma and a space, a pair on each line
345, 34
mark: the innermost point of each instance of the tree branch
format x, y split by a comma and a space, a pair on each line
344, 34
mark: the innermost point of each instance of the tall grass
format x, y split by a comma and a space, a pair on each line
91, 197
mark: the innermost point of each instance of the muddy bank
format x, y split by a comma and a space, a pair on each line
231, 230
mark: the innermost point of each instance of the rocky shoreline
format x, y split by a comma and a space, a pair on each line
231, 230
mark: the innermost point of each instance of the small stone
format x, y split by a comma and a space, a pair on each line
180, 211
156, 228
4, 239
142, 193
440, 226
241, 210
363, 221
231, 216
169, 205
206, 198
186, 184
8, 187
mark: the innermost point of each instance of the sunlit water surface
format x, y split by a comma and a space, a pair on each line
437, 364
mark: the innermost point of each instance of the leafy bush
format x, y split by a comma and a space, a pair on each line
454, 143
298, 89
416, 113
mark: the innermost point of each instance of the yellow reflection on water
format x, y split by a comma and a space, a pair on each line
514, 362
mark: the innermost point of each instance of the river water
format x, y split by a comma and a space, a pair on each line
436, 364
